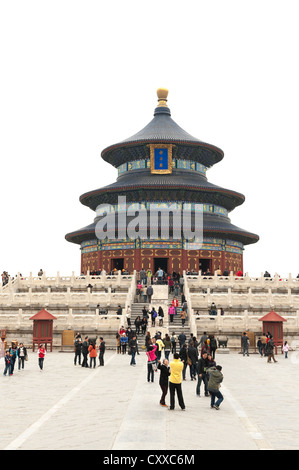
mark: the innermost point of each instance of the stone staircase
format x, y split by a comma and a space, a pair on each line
168, 327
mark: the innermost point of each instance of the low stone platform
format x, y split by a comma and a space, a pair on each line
114, 408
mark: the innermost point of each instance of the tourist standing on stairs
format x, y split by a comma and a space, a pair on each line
160, 316
171, 313
183, 317
149, 292
143, 325
175, 304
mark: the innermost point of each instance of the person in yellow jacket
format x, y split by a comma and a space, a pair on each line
175, 381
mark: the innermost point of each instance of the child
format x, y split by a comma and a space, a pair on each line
8, 363
285, 349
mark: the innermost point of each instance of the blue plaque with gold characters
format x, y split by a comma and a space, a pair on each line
161, 158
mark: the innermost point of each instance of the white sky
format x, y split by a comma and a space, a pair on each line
79, 76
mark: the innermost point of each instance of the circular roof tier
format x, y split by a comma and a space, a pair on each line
162, 129
212, 226
179, 185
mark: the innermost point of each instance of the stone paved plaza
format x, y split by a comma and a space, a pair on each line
67, 407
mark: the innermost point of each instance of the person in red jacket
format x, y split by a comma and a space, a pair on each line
92, 353
41, 356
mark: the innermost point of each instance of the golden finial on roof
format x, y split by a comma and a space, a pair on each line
162, 94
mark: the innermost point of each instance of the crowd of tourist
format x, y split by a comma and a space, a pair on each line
17, 354
197, 356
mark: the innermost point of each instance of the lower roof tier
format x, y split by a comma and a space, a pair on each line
212, 226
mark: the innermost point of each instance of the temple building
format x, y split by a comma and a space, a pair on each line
162, 168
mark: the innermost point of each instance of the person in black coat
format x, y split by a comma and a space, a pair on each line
193, 356
163, 382
78, 350
22, 353
102, 348
202, 366
184, 357
85, 346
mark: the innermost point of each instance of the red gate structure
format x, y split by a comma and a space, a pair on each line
273, 324
42, 328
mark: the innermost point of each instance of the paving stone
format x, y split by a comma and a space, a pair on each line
115, 408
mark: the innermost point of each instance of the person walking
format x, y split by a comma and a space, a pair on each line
270, 349
7, 363
183, 316
14, 354
137, 324
175, 304
245, 344
143, 325
133, 348
264, 342
175, 382
102, 348
151, 361
184, 358
22, 354
260, 346
92, 349
214, 384
154, 316
164, 378
41, 356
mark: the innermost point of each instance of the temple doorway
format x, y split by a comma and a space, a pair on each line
205, 265
161, 263
117, 263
